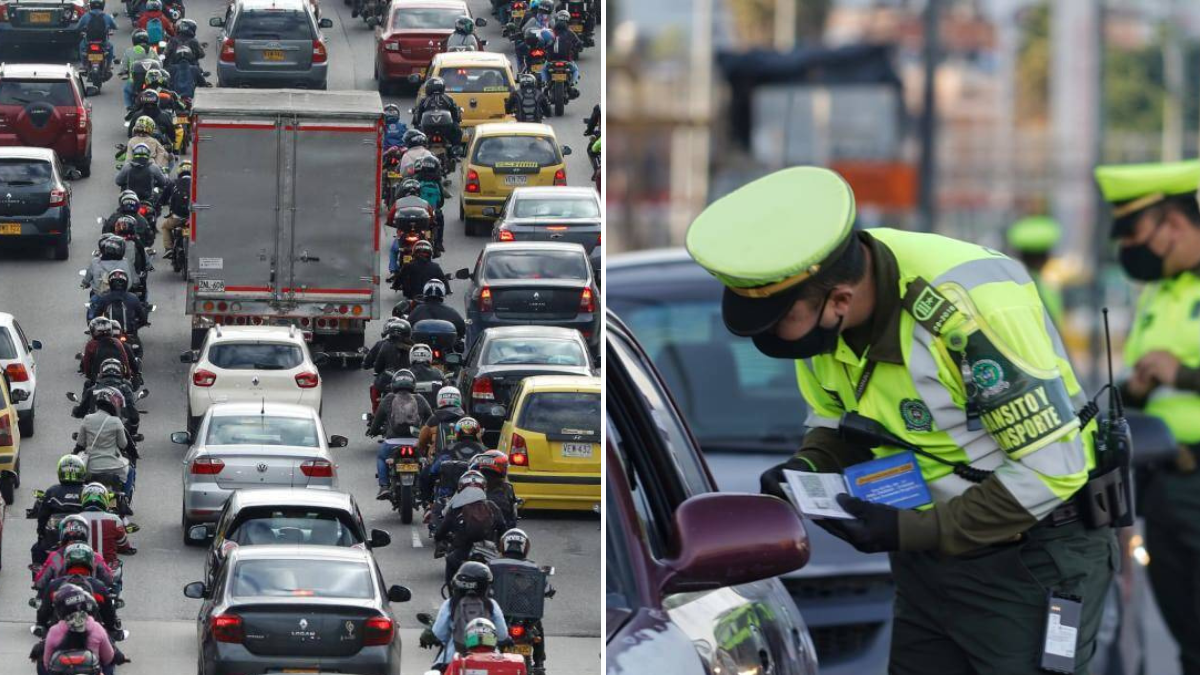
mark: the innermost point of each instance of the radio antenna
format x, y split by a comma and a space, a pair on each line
1114, 399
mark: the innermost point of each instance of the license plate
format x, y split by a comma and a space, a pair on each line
181, 120
210, 285
408, 468
96, 58
558, 77
523, 650
394, 175
40, 17
407, 259
187, 231
516, 180
583, 450
273, 54
576, 28
10, 228
300, 670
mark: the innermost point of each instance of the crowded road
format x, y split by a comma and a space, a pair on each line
45, 297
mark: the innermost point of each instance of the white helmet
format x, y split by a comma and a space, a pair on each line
420, 353
448, 397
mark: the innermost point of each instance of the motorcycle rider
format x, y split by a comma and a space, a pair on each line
153, 15
469, 600
388, 356
149, 103
428, 172
514, 554
493, 464
429, 379
60, 499
79, 562
102, 347
119, 304
186, 74
528, 103
140, 51
142, 176
441, 423
96, 26
399, 412
465, 447
435, 307
393, 128
565, 46
415, 276
108, 530
135, 252
185, 36
463, 38
111, 258
111, 453
77, 628
129, 205
112, 374
72, 529
437, 99
179, 206
469, 518
146, 131
417, 147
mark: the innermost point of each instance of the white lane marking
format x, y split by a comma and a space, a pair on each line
416, 538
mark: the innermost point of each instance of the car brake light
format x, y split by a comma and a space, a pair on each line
6, 434
482, 389
472, 180
207, 466
58, 197
228, 55
560, 177
392, 46
227, 628
16, 373
485, 299
82, 114
319, 55
204, 378
516, 631
307, 380
519, 455
507, 235
377, 631
317, 468
3, 12
587, 303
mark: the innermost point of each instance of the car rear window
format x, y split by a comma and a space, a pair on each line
262, 430
557, 207
475, 80
8, 350
252, 356
24, 172
535, 265
23, 92
562, 413
425, 18
503, 152
273, 25
302, 579
520, 351
295, 525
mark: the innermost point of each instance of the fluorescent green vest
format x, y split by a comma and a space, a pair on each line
1168, 319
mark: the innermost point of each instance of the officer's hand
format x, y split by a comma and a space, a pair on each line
876, 528
1159, 366
771, 481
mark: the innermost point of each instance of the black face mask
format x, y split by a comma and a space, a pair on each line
819, 340
1140, 263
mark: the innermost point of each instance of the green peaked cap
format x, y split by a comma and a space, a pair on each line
1035, 234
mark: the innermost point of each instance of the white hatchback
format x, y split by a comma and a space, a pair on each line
16, 360
251, 364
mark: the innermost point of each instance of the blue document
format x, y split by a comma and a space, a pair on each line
894, 480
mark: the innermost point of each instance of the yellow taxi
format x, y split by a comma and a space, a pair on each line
503, 157
552, 438
479, 82
10, 440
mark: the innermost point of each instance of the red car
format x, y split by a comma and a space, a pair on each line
43, 106
414, 31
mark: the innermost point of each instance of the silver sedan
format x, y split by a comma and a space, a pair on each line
570, 214
253, 445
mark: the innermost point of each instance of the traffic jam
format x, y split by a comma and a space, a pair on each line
299, 336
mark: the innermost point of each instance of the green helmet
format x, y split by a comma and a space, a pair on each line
1035, 234
94, 495
145, 125
480, 633
79, 555
71, 469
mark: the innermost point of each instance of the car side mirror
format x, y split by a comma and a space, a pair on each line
715, 542
1153, 442
453, 359
216, 22
320, 359
35, 344
325, 23
73, 173
459, 151
18, 395
196, 590
481, 22
336, 441
463, 273
188, 357
414, 78
91, 90
399, 593
380, 538
566, 150
78, 355
425, 619
198, 533
181, 438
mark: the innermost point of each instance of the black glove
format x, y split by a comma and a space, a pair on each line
876, 528
428, 639
771, 481
505, 642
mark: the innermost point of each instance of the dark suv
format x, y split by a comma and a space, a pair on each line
40, 25
689, 571
43, 106
35, 200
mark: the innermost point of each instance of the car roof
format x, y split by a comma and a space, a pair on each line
534, 246
26, 152
281, 333
290, 552
555, 191
38, 71
557, 382
514, 128
551, 332
301, 5
243, 499
402, 4
671, 270
453, 59
267, 408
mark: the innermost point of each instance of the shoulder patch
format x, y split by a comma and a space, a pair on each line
916, 415
928, 306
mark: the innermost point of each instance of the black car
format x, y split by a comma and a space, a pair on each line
531, 283
298, 609
284, 516
502, 357
40, 25
35, 199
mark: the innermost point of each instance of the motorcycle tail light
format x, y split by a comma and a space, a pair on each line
407, 451
307, 380
587, 302
516, 631
485, 299
317, 468
319, 55
537, 53
560, 177
94, 47
16, 373
507, 235
483, 389
204, 378
519, 455
378, 631
207, 466
228, 55
227, 628
560, 64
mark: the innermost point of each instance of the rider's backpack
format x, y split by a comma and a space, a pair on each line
404, 413
431, 191
118, 311
154, 29
97, 28
476, 521
469, 608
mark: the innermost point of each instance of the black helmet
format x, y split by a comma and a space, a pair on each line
118, 280
464, 25
532, 38
417, 140
186, 28
129, 201
435, 85
515, 544
411, 218
397, 328
148, 97
141, 37
74, 605
404, 380
110, 399
473, 578
126, 227
112, 368
429, 166
527, 81
391, 112
434, 290
412, 131
100, 327
410, 187
112, 247
96, 4
423, 249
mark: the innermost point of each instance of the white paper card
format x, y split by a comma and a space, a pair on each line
815, 494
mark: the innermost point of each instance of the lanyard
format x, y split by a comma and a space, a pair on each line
863, 380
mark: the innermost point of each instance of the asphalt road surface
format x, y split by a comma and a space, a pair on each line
45, 297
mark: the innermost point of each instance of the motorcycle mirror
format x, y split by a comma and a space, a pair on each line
142, 394
72, 397
463, 273
566, 150
481, 22
83, 273
424, 619
120, 635
78, 356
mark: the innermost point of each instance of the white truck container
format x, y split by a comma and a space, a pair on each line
285, 213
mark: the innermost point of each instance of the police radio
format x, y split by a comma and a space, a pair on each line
1106, 500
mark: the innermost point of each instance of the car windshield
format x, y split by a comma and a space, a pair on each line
255, 356
516, 151
475, 80
8, 350
515, 351
556, 207
23, 92
23, 172
425, 18
262, 430
732, 396
535, 265
294, 525
302, 579
556, 413
273, 25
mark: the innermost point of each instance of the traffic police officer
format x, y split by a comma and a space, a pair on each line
889, 324
1156, 223
1033, 238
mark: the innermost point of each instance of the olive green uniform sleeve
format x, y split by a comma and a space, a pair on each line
984, 515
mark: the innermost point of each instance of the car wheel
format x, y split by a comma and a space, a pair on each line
62, 247
26, 425
8, 488
85, 167
385, 87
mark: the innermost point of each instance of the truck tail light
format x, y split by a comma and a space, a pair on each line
307, 380
482, 389
485, 299
317, 468
204, 378
472, 181
507, 235
560, 177
228, 55
587, 303
207, 466
58, 197
378, 631
319, 55
16, 373
227, 628
519, 454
